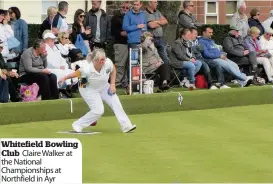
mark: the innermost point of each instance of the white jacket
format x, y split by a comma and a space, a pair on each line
8, 32
267, 23
54, 63
267, 44
55, 59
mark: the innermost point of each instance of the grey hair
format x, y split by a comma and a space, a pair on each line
185, 4
51, 10
96, 55
240, 4
63, 5
37, 43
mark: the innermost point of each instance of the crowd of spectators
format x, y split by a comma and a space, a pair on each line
61, 47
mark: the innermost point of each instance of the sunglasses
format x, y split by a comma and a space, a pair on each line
191, 5
65, 38
125, 7
82, 16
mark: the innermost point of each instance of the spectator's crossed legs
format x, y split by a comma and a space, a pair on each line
192, 68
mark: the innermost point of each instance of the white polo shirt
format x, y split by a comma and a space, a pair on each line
97, 80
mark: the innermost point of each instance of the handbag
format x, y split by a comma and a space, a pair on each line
29, 93
80, 44
13, 43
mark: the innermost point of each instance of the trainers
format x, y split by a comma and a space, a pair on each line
192, 87
213, 87
247, 82
76, 128
129, 128
224, 87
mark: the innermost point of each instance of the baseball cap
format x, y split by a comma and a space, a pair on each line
269, 30
49, 35
234, 28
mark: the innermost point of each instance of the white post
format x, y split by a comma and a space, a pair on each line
140, 82
130, 71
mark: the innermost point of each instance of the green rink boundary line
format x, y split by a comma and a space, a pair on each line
11, 113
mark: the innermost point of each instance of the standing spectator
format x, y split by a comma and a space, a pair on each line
263, 56
239, 19
155, 21
98, 21
46, 25
79, 28
59, 23
267, 41
186, 18
236, 50
134, 23
120, 45
212, 52
268, 23
254, 21
32, 70
20, 28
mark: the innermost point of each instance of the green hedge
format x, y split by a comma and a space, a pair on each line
220, 31
137, 104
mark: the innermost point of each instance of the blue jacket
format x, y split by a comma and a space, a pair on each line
130, 22
210, 49
20, 29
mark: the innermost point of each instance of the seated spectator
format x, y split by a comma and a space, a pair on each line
6, 78
8, 34
254, 21
152, 62
206, 64
267, 41
46, 25
212, 52
20, 28
67, 49
55, 62
32, 69
182, 56
268, 23
263, 56
79, 28
236, 50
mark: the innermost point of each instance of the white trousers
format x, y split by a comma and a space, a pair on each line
268, 66
95, 102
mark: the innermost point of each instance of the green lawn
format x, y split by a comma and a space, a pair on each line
217, 145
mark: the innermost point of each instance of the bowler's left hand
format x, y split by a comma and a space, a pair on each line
113, 89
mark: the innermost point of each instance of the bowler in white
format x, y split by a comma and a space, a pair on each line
94, 88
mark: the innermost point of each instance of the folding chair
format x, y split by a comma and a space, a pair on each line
177, 74
149, 76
